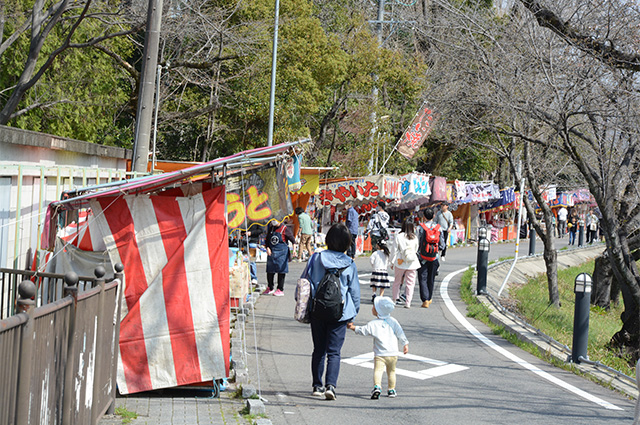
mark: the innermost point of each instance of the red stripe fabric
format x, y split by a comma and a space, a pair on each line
176, 291
218, 244
132, 345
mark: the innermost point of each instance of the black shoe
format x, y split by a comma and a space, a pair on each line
375, 393
318, 391
373, 297
330, 392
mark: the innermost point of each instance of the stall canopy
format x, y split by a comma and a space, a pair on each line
170, 233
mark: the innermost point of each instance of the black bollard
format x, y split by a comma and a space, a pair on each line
482, 265
581, 234
532, 241
582, 289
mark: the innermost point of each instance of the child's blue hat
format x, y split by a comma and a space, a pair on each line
384, 306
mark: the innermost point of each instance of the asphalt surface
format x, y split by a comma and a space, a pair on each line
457, 372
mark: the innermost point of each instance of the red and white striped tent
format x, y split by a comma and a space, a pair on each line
171, 236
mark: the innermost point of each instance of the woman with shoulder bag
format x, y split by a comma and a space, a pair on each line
405, 263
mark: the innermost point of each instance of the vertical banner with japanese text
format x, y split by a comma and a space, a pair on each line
257, 197
417, 132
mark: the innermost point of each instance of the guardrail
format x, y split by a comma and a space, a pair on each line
49, 288
60, 359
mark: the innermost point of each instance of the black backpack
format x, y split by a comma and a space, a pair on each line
328, 304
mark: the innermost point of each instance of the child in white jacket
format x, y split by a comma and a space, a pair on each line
386, 332
380, 263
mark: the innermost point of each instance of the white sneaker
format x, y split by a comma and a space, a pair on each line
442, 259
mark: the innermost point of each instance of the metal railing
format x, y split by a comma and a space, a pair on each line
49, 288
59, 359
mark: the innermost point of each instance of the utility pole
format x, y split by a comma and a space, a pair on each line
144, 114
274, 57
374, 92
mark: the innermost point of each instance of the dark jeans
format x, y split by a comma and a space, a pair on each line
281, 277
328, 338
446, 241
427, 279
592, 236
572, 237
351, 251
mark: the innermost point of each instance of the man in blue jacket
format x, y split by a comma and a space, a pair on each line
328, 336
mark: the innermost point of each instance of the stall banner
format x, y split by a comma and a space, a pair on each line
450, 193
362, 190
482, 192
175, 318
562, 200
257, 197
414, 186
292, 167
439, 190
460, 190
507, 196
417, 132
310, 184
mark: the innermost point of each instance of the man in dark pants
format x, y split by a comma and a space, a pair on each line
428, 263
352, 225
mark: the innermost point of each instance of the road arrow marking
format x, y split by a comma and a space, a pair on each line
441, 368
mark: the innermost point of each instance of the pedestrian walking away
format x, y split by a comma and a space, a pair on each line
377, 227
562, 221
592, 227
405, 262
352, 225
431, 241
380, 275
278, 256
386, 332
328, 336
444, 218
305, 233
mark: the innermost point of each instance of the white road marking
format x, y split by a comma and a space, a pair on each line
441, 368
473, 331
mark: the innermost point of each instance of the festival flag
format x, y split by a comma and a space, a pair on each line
417, 132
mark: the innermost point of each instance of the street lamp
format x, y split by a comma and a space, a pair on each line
582, 289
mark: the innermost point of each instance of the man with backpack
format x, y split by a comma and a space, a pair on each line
430, 242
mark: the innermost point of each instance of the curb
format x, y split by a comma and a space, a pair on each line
527, 333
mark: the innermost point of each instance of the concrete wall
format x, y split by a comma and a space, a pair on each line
35, 169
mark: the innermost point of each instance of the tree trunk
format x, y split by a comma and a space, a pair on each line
603, 287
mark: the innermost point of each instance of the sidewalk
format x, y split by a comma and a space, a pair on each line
525, 269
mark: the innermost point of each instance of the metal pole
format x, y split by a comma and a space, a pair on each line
580, 233
155, 120
515, 260
582, 290
144, 112
532, 241
27, 291
274, 57
119, 268
482, 265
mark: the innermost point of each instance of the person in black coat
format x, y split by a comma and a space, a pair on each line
278, 234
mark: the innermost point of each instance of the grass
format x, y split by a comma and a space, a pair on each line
126, 415
533, 304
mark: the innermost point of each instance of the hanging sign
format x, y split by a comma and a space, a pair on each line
417, 132
361, 190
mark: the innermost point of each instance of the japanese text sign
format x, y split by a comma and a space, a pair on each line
417, 132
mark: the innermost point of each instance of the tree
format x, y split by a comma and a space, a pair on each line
36, 37
560, 97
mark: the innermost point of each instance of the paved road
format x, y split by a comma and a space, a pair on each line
461, 373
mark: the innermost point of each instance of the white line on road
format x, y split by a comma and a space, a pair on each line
473, 331
442, 368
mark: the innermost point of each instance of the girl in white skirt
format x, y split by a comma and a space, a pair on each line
379, 263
